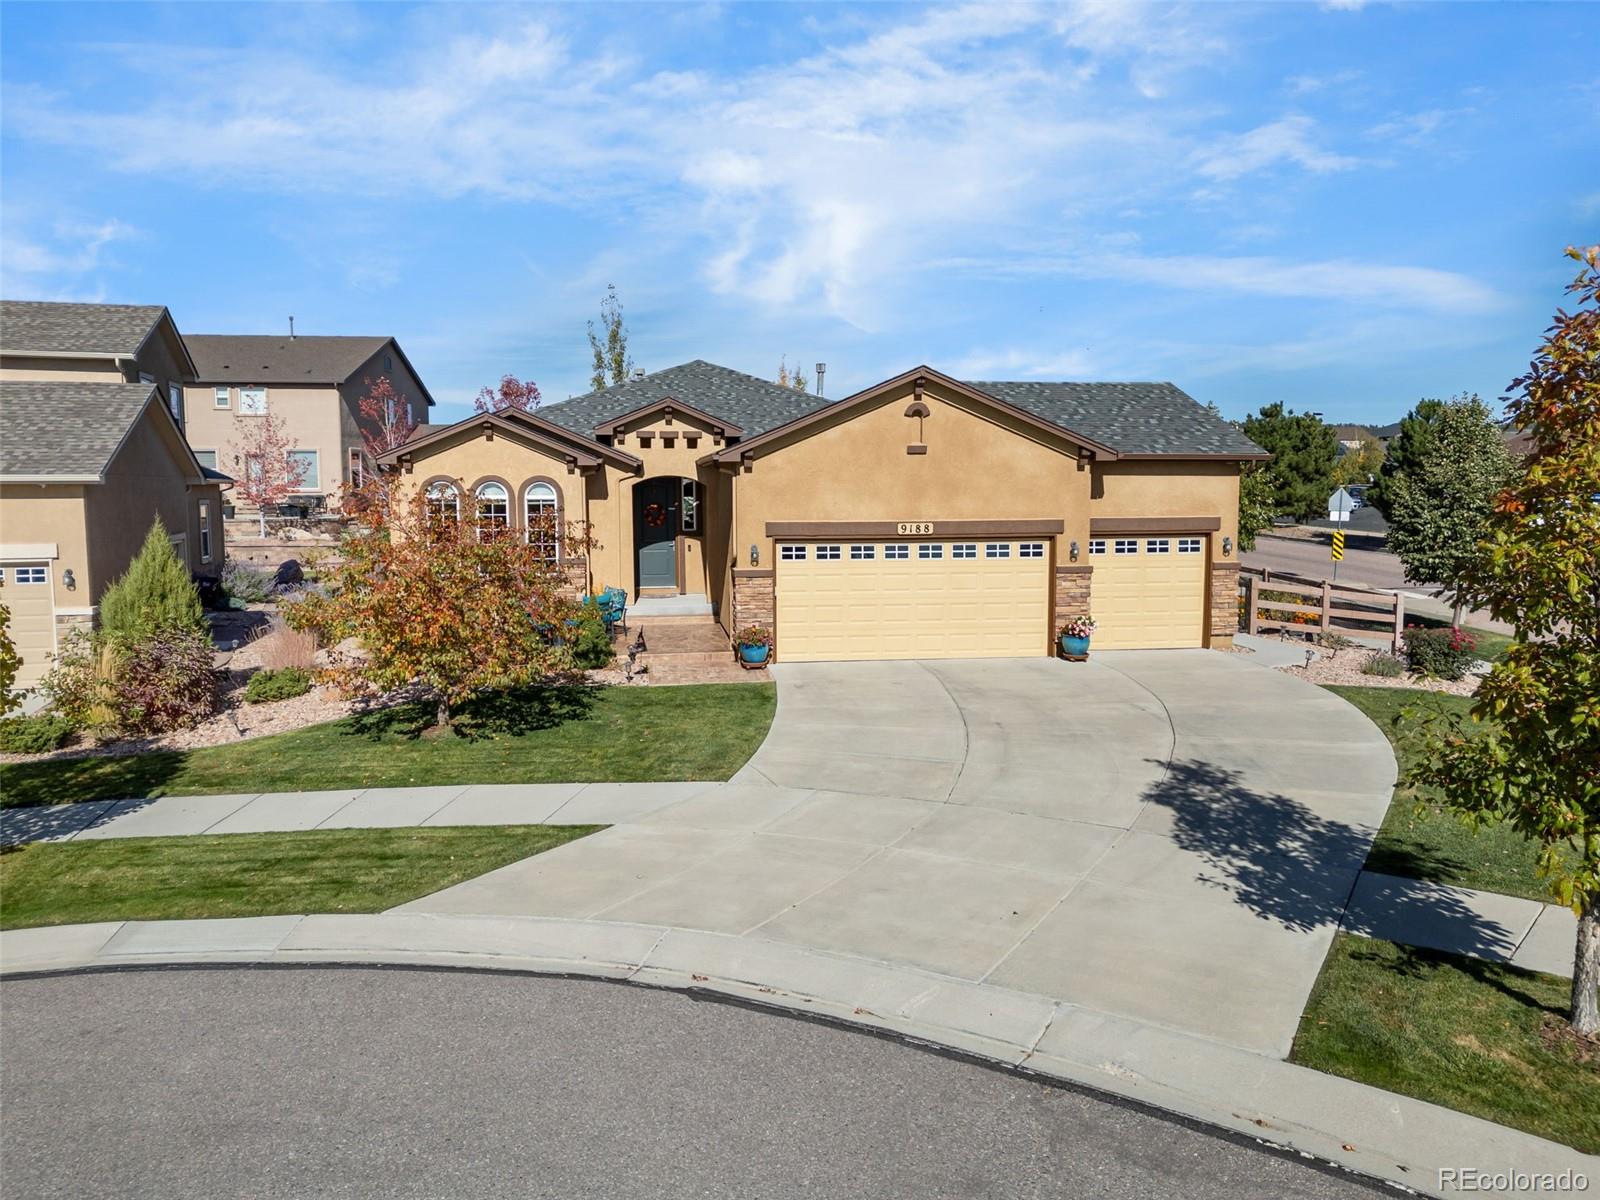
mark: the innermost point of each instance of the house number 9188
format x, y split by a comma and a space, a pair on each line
914, 527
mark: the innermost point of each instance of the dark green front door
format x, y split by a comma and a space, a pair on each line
655, 532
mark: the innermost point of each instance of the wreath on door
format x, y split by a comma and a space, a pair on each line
655, 516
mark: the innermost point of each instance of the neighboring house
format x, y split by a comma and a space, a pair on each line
921, 518
95, 343
313, 385
85, 468
1350, 437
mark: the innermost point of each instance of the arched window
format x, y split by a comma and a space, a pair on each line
444, 506
542, 516
494, 510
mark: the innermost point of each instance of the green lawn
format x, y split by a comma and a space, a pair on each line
544, 735
1479, 1037
254, 874
1438, 845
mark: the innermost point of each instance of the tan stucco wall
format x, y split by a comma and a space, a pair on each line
979, 465
60, 370
33, 513
309, 415
1156, 488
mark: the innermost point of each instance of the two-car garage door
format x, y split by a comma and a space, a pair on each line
930, 599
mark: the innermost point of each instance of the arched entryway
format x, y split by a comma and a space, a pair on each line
666, 511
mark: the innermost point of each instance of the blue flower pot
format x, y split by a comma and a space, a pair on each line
1077, 647
755, 654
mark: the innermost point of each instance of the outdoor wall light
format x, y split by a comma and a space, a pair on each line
1227, 546
67, 581
755, 555
1073, 551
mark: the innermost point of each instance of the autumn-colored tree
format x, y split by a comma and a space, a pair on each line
611, 362
386, 420
519, 394
264, 472
1531, 754
435, 599
1361, 464
792, 378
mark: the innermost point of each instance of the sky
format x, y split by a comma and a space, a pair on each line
1345, 207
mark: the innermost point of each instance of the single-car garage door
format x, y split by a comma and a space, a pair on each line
1148, 592
26, 592
867, 600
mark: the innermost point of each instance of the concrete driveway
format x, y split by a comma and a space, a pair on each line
1164, 835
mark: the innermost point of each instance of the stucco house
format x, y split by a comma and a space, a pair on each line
312, 384
85, 468
923, 517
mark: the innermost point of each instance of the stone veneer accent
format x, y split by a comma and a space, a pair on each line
1072, 594
576, 569
753, 602
1224, 599
67, 622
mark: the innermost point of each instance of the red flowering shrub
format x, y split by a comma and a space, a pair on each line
1442, 653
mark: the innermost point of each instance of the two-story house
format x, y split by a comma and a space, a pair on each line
313, 385
91, 453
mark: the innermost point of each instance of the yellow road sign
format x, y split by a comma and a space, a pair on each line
1338, 545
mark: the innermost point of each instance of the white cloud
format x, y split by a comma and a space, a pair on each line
1287, 140
1305, 85
60, 262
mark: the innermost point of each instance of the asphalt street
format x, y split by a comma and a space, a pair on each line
350, 1082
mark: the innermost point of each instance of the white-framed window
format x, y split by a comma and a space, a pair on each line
1125, 546
792, 553
1188, 545
357, 467
860, 553
898, 550
1030, 550
206, 458
1158, 546
827, 552
997, 549
444, 503
964, 550
28, 575
221, 397
1097, 545
539, 505
930, 550
205, 531
493, 510
310, 478
691, 506
252, 402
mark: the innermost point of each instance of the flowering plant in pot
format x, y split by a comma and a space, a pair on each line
1075, 636
754, 642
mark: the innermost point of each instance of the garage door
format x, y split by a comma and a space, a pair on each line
26, 592
866, 600
1148, 592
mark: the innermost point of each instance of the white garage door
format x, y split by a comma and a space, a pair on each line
1148, 592
26, 592
872, 600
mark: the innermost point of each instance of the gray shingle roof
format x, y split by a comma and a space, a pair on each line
267, 359
65, 428
1131, 418
754, 405
46, 327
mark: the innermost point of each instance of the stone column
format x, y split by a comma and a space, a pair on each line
753, 601
1224, 610
576, 571
1072, 594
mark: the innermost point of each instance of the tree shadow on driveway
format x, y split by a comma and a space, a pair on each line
1288, 863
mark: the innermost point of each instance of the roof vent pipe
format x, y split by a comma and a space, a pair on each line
822, 369
291, 329
638, 373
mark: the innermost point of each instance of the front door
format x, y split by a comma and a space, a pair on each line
655, 532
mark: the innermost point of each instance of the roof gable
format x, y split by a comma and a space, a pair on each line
741, 401
518, 426
71, 432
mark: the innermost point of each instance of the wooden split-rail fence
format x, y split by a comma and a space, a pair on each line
1284, 601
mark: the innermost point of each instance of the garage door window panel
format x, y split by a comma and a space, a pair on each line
997, 550
927, 550
1158, 546
30, 575
964, 550
899, 551
1126, 546
1031, 550
827, 553
1189, 545
1097, 545
792, 553
863, 553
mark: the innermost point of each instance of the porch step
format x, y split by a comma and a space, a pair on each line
694, 658
669, 606
675, 672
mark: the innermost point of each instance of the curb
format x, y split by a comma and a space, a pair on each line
1346, 1125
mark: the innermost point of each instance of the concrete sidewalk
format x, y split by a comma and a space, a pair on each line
355, 808
1355, 1126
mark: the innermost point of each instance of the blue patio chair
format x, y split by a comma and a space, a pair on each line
614, 608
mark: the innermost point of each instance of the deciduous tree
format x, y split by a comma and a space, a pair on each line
264, 473
1359, 465
795, 378
1531, 754
519, 394
611, 362
10, 664
1439, 505
1258, 495
434, 602
1303, 449
386, 420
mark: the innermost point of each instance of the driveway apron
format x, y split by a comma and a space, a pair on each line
1165, 835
